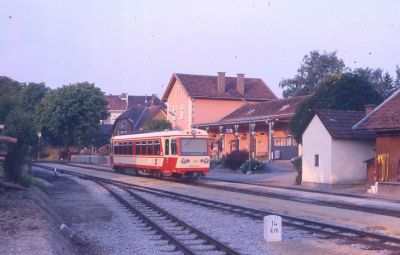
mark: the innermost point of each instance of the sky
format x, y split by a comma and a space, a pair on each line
135, 46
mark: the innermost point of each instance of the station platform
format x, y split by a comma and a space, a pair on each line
281, 174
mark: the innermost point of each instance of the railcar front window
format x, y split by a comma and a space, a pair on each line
194, 147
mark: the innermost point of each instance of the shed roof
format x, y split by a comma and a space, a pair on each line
339, 124
385, 117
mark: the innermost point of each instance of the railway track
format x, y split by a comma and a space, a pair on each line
372, 240
353, 207
184, 239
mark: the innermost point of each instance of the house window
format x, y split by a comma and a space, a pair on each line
178, 89
316, 160
174, 113
181, 112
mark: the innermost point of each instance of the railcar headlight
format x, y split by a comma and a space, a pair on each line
204, 160
185, 160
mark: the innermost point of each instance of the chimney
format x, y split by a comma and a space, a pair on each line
124, 97
240, 83
369, 108
221, 82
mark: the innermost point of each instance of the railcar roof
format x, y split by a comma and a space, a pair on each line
162, 133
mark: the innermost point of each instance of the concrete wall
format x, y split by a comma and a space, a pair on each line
316, 140
348, 158
91, 159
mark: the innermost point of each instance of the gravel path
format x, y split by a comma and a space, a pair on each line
123, 234
246, 235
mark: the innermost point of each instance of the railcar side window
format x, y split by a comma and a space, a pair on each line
137, 148
115, 148
130, 152
166, 146
157, 147
150, 147
174, 150
143, 148
125, 151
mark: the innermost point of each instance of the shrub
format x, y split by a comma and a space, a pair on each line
217, 163
297, 163
236, 158
255, 165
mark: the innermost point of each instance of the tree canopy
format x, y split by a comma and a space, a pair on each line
9, 90
345, 91
314, 69
382, 81
158, 125
73, 113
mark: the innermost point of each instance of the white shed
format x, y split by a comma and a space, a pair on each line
332, 152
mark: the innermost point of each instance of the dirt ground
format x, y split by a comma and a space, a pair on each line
30, 219
26, 228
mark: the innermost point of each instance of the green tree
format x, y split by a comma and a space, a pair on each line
397, 81
9, 90
314, 69
158, 125
382, 81
347, 91
19, 125
73, 113
30, 96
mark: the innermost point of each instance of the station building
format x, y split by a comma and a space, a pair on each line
237, 112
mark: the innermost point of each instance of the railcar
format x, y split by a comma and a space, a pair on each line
168, 153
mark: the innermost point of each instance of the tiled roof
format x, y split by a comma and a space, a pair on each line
339, 124
205, 86
275, 109
138, 114
142, 100
385, 117
115, 103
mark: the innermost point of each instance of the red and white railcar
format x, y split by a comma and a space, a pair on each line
167, 153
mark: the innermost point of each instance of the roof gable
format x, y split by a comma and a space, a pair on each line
206, 86
339, 124
385, 117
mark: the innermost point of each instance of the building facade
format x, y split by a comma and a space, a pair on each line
194, 99
332, 152
385, 122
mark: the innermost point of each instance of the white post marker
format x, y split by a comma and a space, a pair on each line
273, 228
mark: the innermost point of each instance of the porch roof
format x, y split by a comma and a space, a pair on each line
280, 109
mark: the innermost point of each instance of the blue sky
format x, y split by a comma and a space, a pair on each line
135, 46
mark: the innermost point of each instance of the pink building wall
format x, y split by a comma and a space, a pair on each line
212, 110
179, 105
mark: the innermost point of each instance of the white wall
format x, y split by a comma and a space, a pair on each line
316, 140
348, 158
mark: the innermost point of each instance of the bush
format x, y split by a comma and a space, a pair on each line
217, 163
297, 163
236, 158
255, 165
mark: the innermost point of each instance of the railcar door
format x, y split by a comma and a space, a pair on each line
166, 167
170, 155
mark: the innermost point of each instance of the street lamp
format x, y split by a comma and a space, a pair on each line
39, 134
251, 130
